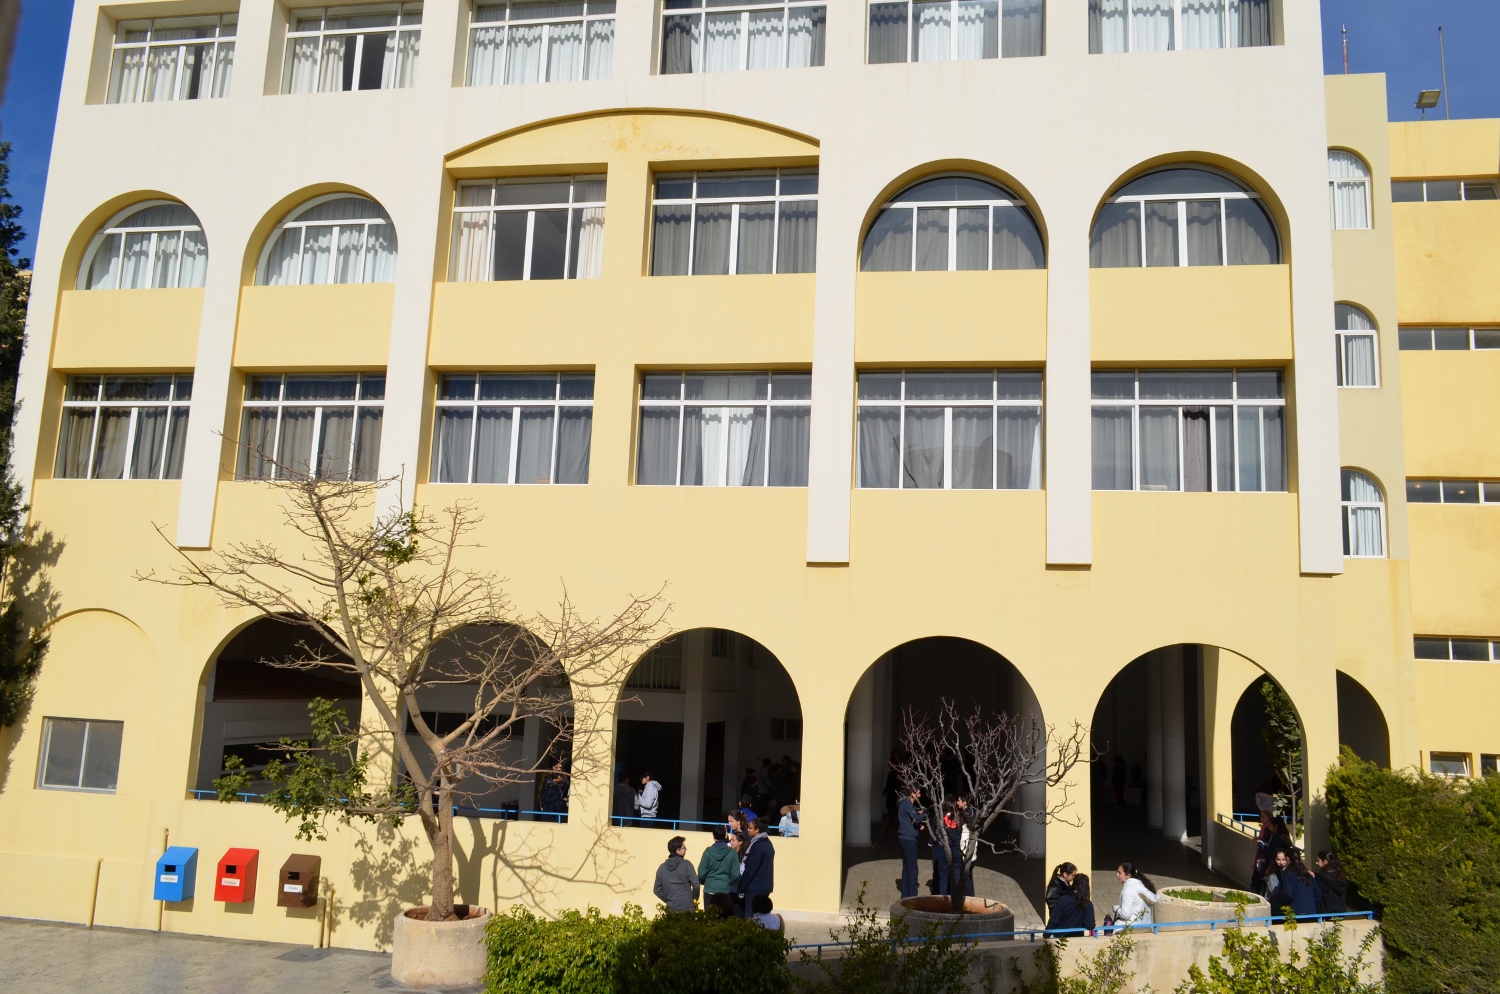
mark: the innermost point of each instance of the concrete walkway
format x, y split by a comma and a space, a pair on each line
49, 958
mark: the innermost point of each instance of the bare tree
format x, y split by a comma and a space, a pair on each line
984, 762
385, 598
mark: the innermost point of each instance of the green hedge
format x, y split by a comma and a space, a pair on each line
1425, 851
593, 953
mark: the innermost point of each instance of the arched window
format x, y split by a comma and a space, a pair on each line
1357, 364
1364, 516
1183, 217
1348, 190
337, 239
158, 244
950, 223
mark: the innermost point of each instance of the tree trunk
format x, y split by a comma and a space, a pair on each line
441, 909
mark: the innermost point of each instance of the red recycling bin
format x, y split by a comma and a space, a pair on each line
235, 881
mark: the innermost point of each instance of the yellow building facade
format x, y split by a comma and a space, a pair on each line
1090, 355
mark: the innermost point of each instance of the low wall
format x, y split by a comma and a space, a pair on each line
1234, 853
1159, 962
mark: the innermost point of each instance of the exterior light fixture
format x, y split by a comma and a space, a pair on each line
1428, 99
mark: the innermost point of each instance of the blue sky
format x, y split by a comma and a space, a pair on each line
1396, 37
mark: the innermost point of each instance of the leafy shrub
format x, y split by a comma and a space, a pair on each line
1102, 973
704, 953
1214, 896
576, 954
881, 958
1425, 851
1251, 964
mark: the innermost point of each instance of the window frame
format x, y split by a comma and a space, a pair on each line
280, 404
44, 754
570, 262
953, 56
1486, 491
1463, 190
219, 44
1010, 200
1342, 336
291, 221
1494, 648
1406, 335
556, 405
1176, 46
1235, 403
777, 200
681, 405
700, 11
1364, 182
174, 406
402, 9
1349, 506
587, 19
112, 227
1182, 200
1462, 759
995, 404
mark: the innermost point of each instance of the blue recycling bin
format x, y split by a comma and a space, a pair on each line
176, 872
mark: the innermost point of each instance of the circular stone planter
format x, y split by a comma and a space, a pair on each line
1171, 907
981, 916
434, 955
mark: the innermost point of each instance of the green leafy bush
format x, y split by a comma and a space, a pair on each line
628, 953
576, 954
1103, 973
881, 958
1251, 964
1215, 896
1425, 851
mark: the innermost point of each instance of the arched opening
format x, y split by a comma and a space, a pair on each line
1359, 356
953, 222
1348, 190
157, 244
1184, 215
253, 697
919, 675
1363, 507
1362, 724
335, 238
712, 717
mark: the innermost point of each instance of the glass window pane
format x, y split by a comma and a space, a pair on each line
879, 386
1198, 384
518, 386
972, 238
510, 245
109, 447
64, 762
1017, 241
257, 443
372, 386
670, 238
579, 386
950, 386
791, 386
679, 44
790, 434
932, 239
806, 36
931, 31
1248, 419
745, 442
888, 245
101, 758
1259, 384
887, 33
726, 386
511, 193
1444, 189
973, 448
456, 387
1460, 492
1471, 650
492, 446
83, 387
1018, 386
1224, 448
1487, 338
1112, 449
711, 233
757, 238
549, 245
150, 443
451, 441
1450, 339
1491, 492
1431, 648
75, 444
922, 453
534, 446
1159, 449
1204, 239
1406, 191
1018, 448
657, 462
1416, 339
1273, 431
1423, 492
658, 386
1113, 386
1249, 234
1161, 233
294, 449
879, 438
321, 387
176, 444
575, 428
1479, 191
335, 442
760, 183
1116, 239
797, 236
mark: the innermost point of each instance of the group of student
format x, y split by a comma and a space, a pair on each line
1070, 905
735, 874
1285, 880
915, 822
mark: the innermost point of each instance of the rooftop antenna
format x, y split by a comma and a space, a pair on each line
1345, 29
1443, 58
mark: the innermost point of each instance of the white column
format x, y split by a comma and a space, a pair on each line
531, 732
1174, 747
860, 742
1153, 741
1031, 834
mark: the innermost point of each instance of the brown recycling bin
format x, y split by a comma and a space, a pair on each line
297, 884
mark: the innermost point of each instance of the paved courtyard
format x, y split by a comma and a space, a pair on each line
48, 958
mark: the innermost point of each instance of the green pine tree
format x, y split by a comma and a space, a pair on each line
23, 642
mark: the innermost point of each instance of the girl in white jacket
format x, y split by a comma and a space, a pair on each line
1137, 895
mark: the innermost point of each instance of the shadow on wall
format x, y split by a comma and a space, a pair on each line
24, 622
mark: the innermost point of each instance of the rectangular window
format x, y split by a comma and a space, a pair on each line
352, 48
953, 30
539, 228
962, 430
741, 34
124, 427
1463, 650
1452, 492
1449, 339
1189, 430
1489, 763
659, 669
532, 41
513, 428
78, 754
318, 424
1449, 764
735, 223
172, 58
786, 729
720, 429
1405, 191
1160, 25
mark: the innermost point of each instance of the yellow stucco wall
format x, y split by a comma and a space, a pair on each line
127, 329
951, 317
341, 327
1218, 314
1451, 408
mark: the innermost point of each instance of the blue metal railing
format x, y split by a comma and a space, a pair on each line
1032, 934
674, 824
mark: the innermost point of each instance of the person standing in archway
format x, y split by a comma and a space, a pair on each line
759, 874
649, 799
909, 825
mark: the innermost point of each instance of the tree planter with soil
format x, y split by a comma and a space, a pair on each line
1196, 904
980, 916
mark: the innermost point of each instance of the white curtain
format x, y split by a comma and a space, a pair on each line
1348, 190
888, 33
408, 47
317, 252
1197, 450
257, 443
350, 241
797, 238
486, 56
366, 464
194, 259
1112, 448
721, 43
971, 238
922, 448
1202, 23
805, 36
978, 29
932, 31
302, 66
932, 239
1249, 23
335, 442
492, 446
680, 44
1161, 232
331, 70
471, 240
601, 51
74, 446
1115, 242
380, 253
150, 440
161, 72
879, 438
973, 448
281, 261
1017, 242
1364, 532
745, 462
765, 40
104, 271
451, 437
711, 239
657, 463
223, 69
135, 268
523, 54
109, 448
1018, 448
164, 266
1247, 425
1359, 360
757, 238
1151, 23
176, 445
1205, 245
294, 449
1249, 235
565, 51
1022, 28
574, 440
670, 237
1108, 27
588, 248
1159, 450
534, 446
888, 244
790, 433
125, 77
